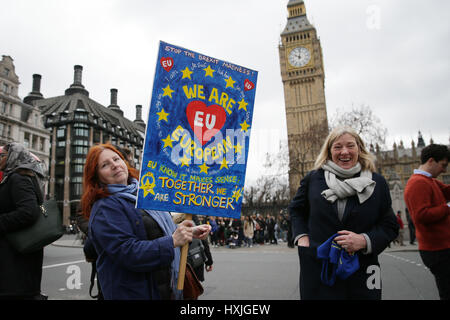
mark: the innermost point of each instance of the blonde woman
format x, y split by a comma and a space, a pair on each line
342, 195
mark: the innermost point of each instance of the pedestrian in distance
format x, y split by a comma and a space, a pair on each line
428, 202
221, 231
205, 254
411, 228
21, 190
345, 204
236, 226
399, 239
214, 234
138, 250
271, 223
249, 227
260, 229
285, 225
279, 228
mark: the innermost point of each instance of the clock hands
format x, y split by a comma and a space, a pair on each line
299, 57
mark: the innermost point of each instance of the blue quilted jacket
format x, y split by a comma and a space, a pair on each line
126, 258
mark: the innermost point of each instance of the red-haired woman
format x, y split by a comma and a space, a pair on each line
138, 250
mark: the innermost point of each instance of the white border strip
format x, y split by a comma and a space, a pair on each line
62, 264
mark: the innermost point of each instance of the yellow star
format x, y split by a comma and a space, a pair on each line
185, 161
162, 115
187, 73
224, 164
168, 91
147, 187
209, 71
243, 104
238, 148
167, 142
244, 126
230, 82
204, 168
236, 194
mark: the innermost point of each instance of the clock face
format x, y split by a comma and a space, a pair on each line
299, 57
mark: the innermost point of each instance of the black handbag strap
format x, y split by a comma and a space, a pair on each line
99, 295
91, 286
37, 190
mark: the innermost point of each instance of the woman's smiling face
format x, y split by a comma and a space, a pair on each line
111, 168
345, 151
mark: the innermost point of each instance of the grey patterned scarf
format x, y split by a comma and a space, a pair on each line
362, 186
20, 158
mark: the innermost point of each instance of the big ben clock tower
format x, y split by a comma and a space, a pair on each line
303, 78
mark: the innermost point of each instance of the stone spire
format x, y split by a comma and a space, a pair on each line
420, 141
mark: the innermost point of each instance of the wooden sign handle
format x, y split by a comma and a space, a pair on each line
183, 259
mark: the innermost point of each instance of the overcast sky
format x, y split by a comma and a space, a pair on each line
392, 55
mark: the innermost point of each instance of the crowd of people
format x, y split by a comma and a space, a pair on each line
249, 230
342, 212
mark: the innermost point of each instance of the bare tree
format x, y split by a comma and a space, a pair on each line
272, 186
295, 158
278, 163
364, 121
249, 196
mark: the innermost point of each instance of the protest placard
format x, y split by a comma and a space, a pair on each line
198, 134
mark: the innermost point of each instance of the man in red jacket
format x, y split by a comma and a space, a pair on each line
427, 200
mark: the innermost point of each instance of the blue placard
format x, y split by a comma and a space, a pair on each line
198, 134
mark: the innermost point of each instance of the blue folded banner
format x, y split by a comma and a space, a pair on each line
198, 134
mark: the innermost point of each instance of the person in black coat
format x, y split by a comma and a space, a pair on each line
270, 222
208, 264
20, 189
411, 228
260, 231
342, 195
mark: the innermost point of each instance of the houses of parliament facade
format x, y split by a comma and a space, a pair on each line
303, 77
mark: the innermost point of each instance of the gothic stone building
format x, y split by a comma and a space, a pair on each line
397, 166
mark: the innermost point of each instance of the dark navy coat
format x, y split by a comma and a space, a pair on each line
312, 214
126, 258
